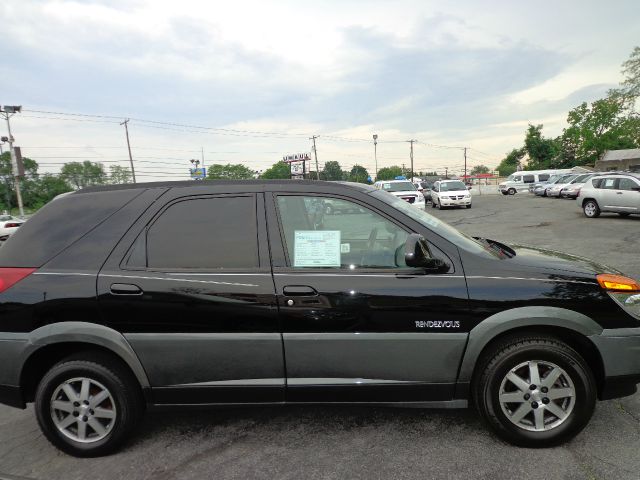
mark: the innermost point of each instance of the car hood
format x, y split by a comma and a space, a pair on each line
540, 258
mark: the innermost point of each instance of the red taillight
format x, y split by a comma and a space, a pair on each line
10, 276
11, 225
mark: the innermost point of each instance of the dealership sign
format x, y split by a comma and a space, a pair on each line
297, 157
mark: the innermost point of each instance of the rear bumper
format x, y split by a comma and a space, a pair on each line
620, 353
12, 396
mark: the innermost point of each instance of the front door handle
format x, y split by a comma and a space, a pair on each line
299, 290
618, 193
125, 289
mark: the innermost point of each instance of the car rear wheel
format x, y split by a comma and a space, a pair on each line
88, 406
535, 391
511, 191
591, 209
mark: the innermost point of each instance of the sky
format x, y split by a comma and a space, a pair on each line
250, 81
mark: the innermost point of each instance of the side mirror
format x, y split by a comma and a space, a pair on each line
416, 254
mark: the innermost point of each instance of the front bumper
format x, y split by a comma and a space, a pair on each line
447, 202
620, 353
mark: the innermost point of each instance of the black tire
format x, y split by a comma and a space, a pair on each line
591, 209
120, 383
504, 193
469, 206
507, 355
511, 191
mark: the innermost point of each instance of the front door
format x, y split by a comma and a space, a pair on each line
358, 324
191, 290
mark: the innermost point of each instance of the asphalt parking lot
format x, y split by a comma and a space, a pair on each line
358, 442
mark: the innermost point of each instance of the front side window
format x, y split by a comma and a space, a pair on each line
609, 183
346, 235
517, 179
205, 233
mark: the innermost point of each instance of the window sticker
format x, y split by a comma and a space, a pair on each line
316, 248
345, 247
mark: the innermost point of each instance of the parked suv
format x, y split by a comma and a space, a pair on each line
619, 193
450, 193
242, 292
403, 189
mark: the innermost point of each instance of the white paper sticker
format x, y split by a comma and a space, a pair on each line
345, 247
316, 248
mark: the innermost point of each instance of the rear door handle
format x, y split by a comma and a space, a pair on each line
299, 290
618, 193
125, 289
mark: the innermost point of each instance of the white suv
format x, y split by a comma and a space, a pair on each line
619, 193
403, 189
450, 193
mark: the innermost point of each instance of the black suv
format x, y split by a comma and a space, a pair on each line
227, 293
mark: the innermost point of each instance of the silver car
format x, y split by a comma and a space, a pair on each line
572, 189
619, 193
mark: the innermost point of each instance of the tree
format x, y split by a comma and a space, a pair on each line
80, 175
119, 174
593, 129
389, 173
479, 169
332, 171
277, 170
230, 172
629, 89
509, 164
541, 150
7, 187
43, 189
358, 174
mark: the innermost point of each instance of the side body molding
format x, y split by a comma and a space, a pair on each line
501, 322
90, 333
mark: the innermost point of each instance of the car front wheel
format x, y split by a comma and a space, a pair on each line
511, 191
87, 406
535, 391
591, 209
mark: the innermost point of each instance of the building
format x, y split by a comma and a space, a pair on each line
628, 159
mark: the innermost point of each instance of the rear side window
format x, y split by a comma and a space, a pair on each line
205, 233
543, 177
528, 178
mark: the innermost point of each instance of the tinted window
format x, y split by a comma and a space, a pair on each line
627, 184
207, 233
528, 178
543, 177
349, 237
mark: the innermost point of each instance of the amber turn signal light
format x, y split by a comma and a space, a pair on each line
609, 281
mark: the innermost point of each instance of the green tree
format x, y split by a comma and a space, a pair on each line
389, 173
277, 170
7, 186
41, 190
332, 171
606, 124
479, 169
230, 171
358, 174
509, 163
629, 89
80, 175
119, 174
542, 151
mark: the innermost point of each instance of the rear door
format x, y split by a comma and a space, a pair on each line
358, 324
190, 287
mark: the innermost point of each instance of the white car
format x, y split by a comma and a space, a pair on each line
8, 225
403, 189
450, 193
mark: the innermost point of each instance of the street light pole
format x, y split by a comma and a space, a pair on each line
411, 155
8, 111
375, 152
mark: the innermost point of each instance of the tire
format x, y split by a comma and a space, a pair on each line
624, 214
544, 194
591, 209
519, 356
120, 410
504, 193
468, 206
511, 191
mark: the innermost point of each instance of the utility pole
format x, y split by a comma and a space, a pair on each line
202, 155
446, 172
126, 129
315, 153
411, 157
8, 111
465, 164
375, 152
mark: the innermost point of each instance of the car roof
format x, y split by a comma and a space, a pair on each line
294, 185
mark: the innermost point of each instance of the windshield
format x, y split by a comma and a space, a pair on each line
397, 186
582, 178
567, 178
441, 228
452, 186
